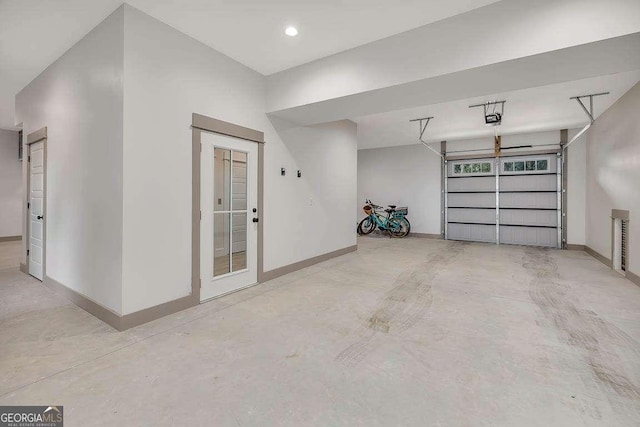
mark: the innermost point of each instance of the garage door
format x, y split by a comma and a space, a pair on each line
511, 200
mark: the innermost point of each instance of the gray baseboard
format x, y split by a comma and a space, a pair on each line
112, 318
272, 274
634, 278
572, 247
426, 235
23, 268
152, 313
131, 320
603, 259
106, 315
10, 238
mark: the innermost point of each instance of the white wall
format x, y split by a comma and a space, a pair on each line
410, 176
10, 185
576, 189
405, 176
613, 175
79, 99
169, 76
315, 214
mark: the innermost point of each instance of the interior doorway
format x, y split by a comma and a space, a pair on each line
36, 203
229, 229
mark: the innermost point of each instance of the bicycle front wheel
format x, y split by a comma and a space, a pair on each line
399, 227
366, 226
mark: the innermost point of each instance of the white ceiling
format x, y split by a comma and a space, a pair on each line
33, 34
528, 110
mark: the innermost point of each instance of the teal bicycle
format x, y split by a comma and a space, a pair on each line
395, 222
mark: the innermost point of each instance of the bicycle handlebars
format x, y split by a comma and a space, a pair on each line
373, 205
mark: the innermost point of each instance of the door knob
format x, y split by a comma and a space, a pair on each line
40, 217
255, 220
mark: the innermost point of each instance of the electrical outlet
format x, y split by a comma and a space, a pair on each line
311, 202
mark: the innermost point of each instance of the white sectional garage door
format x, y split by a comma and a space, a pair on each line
511, 200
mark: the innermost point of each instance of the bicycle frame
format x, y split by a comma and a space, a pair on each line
384, 222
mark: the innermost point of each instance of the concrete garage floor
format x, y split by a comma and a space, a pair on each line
402, 332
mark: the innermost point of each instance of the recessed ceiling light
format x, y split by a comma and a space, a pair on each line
291, 31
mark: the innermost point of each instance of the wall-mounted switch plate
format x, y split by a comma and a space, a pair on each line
282, 172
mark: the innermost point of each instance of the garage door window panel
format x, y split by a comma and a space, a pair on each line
526, 166
474, 167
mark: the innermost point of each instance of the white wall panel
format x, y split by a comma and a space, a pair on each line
576, 189
79, 98
10, 185
613, 175
409, 176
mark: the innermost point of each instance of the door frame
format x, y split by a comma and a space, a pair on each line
199, 124
38, 136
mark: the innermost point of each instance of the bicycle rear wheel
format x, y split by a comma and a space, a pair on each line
366, 226
399, 227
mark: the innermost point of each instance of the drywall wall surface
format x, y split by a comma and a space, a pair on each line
576, 189
169, 76
10, 185
408, 175
613, 175
79, 99
313, 214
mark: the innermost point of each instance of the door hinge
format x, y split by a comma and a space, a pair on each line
28, 158
28, 205
200, 215
27, 252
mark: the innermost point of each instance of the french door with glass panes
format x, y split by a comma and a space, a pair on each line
229, 229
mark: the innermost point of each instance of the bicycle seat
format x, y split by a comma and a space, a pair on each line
392, 206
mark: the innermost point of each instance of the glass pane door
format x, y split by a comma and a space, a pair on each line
230, 214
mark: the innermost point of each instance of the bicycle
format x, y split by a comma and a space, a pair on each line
395, 222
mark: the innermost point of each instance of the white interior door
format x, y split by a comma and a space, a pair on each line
229, 235
36, 209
